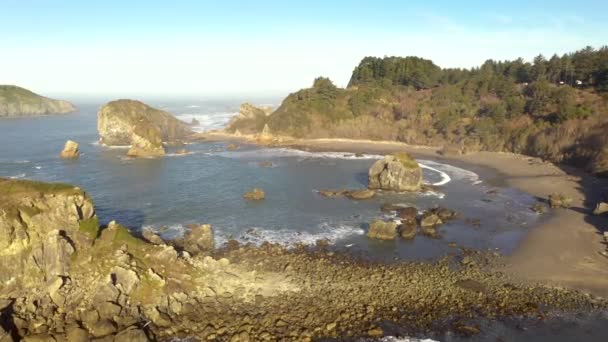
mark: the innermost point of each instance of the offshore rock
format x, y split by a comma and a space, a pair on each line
256, 194
397, 172
382, 230
130, 122
70, 150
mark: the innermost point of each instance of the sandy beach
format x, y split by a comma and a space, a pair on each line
564, 250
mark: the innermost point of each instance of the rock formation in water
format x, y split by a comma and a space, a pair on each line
249, 120
256, 194
64, 278
397, 172
130, 122
382, 230
70, 150
16, 101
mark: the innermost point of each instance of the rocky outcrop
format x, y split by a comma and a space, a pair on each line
130, 122
41, 226
70, 150
16, 101
397, 172
198, 239
249, 120
256, 194
559, 200
382, 230
361, 194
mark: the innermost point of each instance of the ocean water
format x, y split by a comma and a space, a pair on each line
206, 186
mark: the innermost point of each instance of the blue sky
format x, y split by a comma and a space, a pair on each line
267, 47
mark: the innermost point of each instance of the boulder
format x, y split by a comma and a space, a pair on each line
332, 193
256, 194
265, 164
559, 200
181, 151
382, 230
117, 121
445, 214
601, 208
361, 194
70, 150
408, 214
198, 239
397, 172
232, 147
152, 237
407, 230
430, 219
539, 208
195, 122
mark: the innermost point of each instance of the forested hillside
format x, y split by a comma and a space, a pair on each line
553, 108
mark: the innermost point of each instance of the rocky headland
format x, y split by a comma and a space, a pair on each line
144, 128
65, 277
16, 101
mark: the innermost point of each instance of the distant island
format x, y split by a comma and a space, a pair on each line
550, 108
16, 101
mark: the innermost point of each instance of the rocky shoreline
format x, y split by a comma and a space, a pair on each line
110, 285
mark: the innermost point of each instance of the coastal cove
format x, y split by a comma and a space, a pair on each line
564, 249
495, 227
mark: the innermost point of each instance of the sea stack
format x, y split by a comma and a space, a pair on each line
144, 128
396, 172
70, 150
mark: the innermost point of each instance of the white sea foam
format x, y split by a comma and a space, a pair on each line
207, 121
285, 237
446, 172
38, 167
452, 171
21, 175
287, 152
288, 238
21, 162
445, 178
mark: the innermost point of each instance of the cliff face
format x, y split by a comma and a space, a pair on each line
41, 226
16, 101
116, 122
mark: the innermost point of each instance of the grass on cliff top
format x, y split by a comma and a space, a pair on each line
406, 160
13, 94
11, 187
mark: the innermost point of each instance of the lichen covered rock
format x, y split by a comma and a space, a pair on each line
397, 172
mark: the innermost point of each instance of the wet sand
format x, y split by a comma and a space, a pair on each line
564, 250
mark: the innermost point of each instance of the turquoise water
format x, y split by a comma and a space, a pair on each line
206, 186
